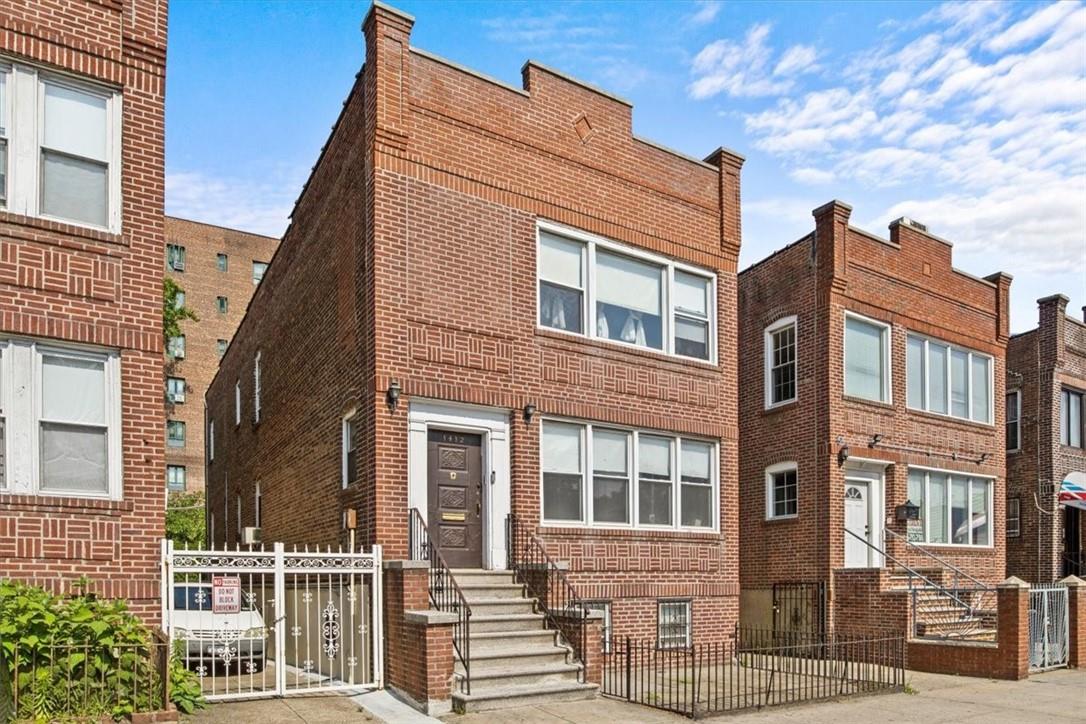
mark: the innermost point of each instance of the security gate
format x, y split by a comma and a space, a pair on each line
1048, 627
268, 623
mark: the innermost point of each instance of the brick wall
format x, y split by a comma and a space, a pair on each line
68, 283
203, 282
431, 281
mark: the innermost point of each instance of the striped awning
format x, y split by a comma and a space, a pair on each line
1073, 491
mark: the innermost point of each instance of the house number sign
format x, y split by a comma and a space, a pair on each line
225, 594
915, 531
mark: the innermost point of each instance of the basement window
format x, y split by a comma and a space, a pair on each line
673, 628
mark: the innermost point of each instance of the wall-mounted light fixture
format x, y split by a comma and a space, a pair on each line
529, 413
842, 451
983, 458
392, 396
875, 440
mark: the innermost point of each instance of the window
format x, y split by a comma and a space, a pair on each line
1014, 517
1071, 418
237, 509
175, 257
635, 298
179, 299
220, 347
175, 433
259, 268
4, 124
867, 359
210, 440
60, 420
603, 607
350, 455
780, 362
955, 509
175, 477
237, 402
949, 380
175, 389
258, 505
782, 491
673, 624
221, 262
1014, 420
222, 304
177, 347
637, 479
256, 387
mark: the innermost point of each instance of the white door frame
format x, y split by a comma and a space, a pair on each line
873, 473
493, 424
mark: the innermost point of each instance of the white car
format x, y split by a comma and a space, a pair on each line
229, 639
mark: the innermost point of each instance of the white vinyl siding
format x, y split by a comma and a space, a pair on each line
955, 509
945, 379
867, 359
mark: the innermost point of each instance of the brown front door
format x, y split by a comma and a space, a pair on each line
455, 494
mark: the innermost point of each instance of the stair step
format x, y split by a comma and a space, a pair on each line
513, 655
480, 575
498, 606
489, 678
487, 641
508, 697
485, 623
475, 591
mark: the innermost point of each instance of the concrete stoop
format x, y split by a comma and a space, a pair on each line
515, 660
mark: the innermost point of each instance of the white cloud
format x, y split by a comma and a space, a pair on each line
1037, 24
262, 207
706, 12
797, 59
812, 176
738, 69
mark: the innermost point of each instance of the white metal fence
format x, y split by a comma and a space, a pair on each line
1048, 626
266, 623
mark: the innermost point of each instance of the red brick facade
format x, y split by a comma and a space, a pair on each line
412, 257
1042, 363
908, 283
100, 289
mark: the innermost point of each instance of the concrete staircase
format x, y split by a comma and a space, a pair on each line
939, 615
515, 660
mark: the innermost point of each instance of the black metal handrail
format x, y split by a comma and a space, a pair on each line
563, 610
958, 572
445, 593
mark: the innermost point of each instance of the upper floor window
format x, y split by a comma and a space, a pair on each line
1014, 517
175, 257
237, 402
175, 477
210, 440
175, 389
955, 509
867, 358
637, 479
220, 347
635, 298
259, 268
175, 433
256, 387
1014, 420
350, 455
221, 261
948, 380
222, 304
782, 491
780, 362
60, 411
177, 347
1071, 431
179, 299
71, 131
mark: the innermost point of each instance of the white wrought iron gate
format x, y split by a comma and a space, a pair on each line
267, 623
1048, 627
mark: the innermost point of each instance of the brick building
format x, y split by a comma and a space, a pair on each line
422, 340
871, 373
218, 269
1046, 382
81, 244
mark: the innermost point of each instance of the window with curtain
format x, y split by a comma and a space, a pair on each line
177, 347
954, 509
654, 486
175, 389
563, 476
1014, 420
948, 380
237, 402
610, 476
629, 298
75, 155
175, 433
74, 429
561, 283
867, 367
780, 362
1071, 431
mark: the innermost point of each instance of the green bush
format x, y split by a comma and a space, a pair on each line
75, 657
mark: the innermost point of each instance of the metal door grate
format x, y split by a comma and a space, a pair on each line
1048, 627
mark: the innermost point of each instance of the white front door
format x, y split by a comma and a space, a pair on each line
857, 521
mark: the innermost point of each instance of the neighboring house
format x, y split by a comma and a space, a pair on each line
81, 244
1046, 384
497, 300
218, 269
871, 374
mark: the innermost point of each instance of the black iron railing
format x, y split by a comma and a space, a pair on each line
445, 593
754, 669
1074, 563
563, 610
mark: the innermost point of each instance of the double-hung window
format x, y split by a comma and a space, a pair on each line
222, 305
673, 629
867, 359
1071, 431
175, 259
222, 262
638, 479
780, 362
176, 347
1014, 421
175, 390
259, 269
220, 347
955, 509
1014, 517
603, 290
59, 420
782, 491
69, 130
175, 477
175, 433
948, 380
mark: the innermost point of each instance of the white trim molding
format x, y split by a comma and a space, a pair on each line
887, 357
768, 352
789, 466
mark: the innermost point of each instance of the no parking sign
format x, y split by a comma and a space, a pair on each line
225, 594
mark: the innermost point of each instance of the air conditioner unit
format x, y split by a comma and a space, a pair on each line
177, 397
178, 265
250, 535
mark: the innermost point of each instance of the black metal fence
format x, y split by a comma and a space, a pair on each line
755, 669
799, 606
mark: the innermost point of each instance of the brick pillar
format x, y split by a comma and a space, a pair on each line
406, 585
1013, 629
593, 642
1076, 618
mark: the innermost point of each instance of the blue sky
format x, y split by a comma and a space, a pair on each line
969, 117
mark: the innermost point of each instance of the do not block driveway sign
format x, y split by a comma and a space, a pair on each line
225, 594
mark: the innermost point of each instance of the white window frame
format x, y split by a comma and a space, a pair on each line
210, 440
345, 447
668, 267
237, 403
770, 491
256, 387
184, 478
184, 436
990, 479
171, 263
174, 397
770, 331
887, 351
256, 281
25, 133
925, 391
587, 503
1016, 421
20, 395
688, 604
1016, 530
181, 349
